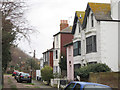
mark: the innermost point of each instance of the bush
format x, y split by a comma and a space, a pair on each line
47, 73
83, 72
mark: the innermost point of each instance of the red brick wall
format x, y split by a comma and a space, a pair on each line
51, 59
65, 38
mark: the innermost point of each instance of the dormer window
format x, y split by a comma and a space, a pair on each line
92, 21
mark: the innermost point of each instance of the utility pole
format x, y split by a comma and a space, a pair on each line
31, 62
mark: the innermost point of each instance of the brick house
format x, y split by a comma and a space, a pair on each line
60, 39
48, 57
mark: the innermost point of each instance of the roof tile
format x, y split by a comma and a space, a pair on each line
102, 11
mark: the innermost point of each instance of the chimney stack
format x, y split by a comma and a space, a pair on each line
63, 24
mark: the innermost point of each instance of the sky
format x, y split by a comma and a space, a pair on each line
45, 16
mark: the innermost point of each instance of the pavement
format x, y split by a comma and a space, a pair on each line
11, 84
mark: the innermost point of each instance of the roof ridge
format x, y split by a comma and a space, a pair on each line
97, 3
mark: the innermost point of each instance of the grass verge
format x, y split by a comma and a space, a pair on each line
7, 74
13, 87
36, 87
30, 83
9, 80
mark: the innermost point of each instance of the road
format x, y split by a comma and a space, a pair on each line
11, 84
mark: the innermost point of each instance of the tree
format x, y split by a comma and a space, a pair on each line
33, 63
13, 27
83, 72
47, 73
63, 63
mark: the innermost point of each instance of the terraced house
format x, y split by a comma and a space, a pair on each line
96, 36
60, 39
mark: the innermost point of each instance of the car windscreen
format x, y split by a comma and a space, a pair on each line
96, 87
25, 74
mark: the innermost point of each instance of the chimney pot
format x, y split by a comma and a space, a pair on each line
63, 24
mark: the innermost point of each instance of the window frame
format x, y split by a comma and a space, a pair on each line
92, 21
56, 54
77, 87
77, 48
91, 44
67, 88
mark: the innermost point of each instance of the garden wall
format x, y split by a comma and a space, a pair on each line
111, 79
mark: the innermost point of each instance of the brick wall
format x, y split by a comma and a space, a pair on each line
51, 59
111, 79
65, 38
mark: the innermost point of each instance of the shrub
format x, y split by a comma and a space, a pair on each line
83, 72
47, 73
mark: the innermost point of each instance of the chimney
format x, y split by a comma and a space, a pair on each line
63, 24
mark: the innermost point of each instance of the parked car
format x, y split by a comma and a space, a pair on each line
14, 73
76, 85
24, 77
17, 74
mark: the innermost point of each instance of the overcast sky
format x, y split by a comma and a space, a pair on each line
45, 16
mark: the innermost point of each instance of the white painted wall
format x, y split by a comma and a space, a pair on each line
70, 66
77, 37
109, 44
114, 9
89, 31
77, 34
41, 63
106, 37
57, 41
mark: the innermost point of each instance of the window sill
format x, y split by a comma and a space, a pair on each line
76, 55
91, 52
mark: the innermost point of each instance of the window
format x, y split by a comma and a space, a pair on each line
92, 22
77, 48
92, 63
56, 54
77, 87
76, 66
79, 28
96, 87
70, 86
91, 44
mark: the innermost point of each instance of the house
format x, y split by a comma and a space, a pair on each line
60, 39
78, 46
115, 14
98, 37
70, 62
48, 57
41, 63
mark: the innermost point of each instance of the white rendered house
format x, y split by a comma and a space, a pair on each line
99, 36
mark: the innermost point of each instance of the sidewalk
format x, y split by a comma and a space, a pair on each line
41, 84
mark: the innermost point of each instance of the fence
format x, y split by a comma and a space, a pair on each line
57, 82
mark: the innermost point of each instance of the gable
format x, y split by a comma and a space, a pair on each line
101, 11
79, 15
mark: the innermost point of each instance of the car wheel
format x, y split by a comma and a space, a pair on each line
20, 81
17, 81
29, 81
